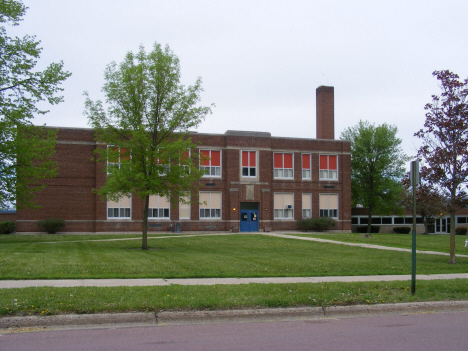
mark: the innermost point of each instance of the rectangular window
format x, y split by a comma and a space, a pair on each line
329, 167
158, 207
184, 208
328, 205
210, 205
306, 166
283, 165
249, 163
306, 205
210, 162
283, 205
115, 156
119, 209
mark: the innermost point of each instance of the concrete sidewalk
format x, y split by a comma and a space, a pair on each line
10, 284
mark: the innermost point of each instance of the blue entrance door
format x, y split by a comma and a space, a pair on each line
249, 221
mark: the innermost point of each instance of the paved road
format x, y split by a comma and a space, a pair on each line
439, 331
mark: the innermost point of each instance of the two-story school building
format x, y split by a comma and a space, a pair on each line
253, 182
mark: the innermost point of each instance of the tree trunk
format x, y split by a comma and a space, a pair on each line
426, 225
144, 239
369, 226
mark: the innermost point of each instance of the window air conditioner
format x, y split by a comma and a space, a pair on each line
289, 207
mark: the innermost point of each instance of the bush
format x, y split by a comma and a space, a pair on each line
7, 227
461, 230
402, 230
363, 229
318, 224
51, 225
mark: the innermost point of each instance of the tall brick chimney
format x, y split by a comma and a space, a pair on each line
325, 103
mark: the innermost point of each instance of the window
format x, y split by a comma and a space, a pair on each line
284, 205
210, 162
115, 156
120, 208
329, 167
306, 166
306, 205
210, 205
184, 209
329, 205
249, 163
158, 207
283, 165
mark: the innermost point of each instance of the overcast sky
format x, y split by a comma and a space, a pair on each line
261, 61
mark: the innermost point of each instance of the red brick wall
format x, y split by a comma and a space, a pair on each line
325, 112
70, 195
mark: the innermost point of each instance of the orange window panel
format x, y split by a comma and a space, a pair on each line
332, 164
205, 157
305, 161
216, 158
252, 159
288, 161
245, 158
323, 162
278, 161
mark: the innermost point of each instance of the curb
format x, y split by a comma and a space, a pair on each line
231, 316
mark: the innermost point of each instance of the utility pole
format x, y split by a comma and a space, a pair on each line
414, 182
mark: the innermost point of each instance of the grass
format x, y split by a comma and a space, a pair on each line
203, 256
78, 257
438, 243
48, 301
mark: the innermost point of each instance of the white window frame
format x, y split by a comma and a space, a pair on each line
213, 171
278, 173
328, 212
163, 213
248, 168
307, 212
119, 212
324, 174
114, 164
306, 173
210, 213
280, 210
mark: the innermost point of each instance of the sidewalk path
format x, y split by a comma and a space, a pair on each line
61, 283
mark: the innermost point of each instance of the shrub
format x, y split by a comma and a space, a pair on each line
402, 230
363, 229
51, 225
7, 227
318, 224
461, 230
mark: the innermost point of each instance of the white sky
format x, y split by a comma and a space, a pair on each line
261, 61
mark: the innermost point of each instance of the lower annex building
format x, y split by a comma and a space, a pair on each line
254, 182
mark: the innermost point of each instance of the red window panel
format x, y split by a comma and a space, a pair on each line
323, 162
278, 161
113, 154
288, 161
124, 154
332, 164
205, 157
306, 161
216, 158
245, 158
252, 159
184, 155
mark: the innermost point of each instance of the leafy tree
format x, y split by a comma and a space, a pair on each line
25, 150
146, 125
377, 164
445, 144
430, 201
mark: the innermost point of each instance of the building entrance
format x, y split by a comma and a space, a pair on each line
249, 216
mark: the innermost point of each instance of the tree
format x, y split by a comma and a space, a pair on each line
445, 144
146, 127
430, 201
377, 165
25, 150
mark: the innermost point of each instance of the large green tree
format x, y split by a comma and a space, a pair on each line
445, 144
25, 150
145, 126
377, 166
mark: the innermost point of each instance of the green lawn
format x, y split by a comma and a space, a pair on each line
71, 257
438, 243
